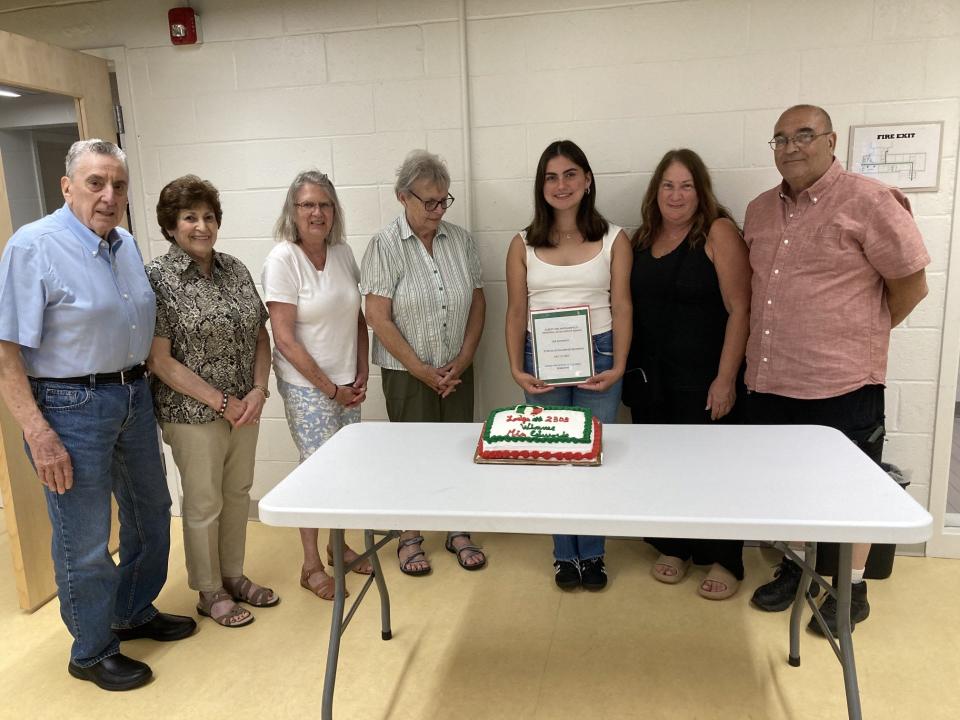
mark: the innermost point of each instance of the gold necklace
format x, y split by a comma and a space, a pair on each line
565, 236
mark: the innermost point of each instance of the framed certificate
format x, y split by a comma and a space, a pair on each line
562, 345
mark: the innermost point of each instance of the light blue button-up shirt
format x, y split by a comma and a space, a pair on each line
76, 304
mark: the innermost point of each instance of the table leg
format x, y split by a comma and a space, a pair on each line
385, 632
336, 624
796, 612
844, 565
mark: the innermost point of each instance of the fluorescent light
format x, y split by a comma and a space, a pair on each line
9, 93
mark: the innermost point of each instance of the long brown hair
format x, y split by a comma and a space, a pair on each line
590, 222
708, 207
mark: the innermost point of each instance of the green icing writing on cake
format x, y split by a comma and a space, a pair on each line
536, 426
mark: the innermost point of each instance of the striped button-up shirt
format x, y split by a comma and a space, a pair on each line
819, 321
431, 294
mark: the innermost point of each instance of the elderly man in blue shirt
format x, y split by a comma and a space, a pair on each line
76, 323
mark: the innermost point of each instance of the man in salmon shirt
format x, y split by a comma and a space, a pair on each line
837, 262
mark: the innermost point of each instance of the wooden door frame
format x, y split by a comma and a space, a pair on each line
39, 66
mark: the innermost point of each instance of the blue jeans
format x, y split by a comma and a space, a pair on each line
605, 406
111, 435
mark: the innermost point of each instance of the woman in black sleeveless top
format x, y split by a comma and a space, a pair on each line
691, 300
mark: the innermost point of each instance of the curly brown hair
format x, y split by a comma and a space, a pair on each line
184, 193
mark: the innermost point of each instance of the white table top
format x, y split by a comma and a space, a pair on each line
799, 482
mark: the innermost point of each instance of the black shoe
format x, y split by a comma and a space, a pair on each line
117, 672
859, 610
593, 575
566, 574
779, 593
163, 627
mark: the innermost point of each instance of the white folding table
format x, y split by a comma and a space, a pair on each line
788, 482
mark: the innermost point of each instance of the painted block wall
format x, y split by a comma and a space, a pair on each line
351, 86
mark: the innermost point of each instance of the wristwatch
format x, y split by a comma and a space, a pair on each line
261, 388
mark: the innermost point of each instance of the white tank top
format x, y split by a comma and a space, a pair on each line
552, 286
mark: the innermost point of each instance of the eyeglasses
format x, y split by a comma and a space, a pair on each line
432, 205
309, 207
801, 139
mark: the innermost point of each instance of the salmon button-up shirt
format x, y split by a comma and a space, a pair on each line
819, 321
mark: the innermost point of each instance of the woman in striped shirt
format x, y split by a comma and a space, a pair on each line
424, 300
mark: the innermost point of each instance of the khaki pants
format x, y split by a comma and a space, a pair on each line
216, 468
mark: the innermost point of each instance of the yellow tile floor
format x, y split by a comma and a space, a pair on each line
505, 643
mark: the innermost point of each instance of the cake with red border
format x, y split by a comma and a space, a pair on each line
540, 434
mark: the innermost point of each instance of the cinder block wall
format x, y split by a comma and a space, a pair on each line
350, 86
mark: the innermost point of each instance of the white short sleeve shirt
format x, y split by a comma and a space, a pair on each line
328, 304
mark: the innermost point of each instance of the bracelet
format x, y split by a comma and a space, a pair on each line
223, 404
335, 389
261, 388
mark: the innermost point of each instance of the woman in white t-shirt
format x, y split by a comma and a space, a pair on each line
310, 284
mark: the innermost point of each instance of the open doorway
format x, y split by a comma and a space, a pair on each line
84, 80
36, 130
952, 516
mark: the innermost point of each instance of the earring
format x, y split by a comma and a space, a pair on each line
588, 190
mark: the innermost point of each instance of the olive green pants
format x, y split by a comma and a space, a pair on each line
409, 400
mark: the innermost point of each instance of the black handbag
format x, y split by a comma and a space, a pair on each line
634, 390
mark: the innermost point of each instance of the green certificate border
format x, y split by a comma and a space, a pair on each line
581, 311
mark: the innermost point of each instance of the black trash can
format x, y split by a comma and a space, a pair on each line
880, 560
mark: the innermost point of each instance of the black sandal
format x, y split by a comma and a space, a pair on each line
475, 549
405, 564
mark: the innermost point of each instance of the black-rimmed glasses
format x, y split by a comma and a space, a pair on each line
801, 139
432, 205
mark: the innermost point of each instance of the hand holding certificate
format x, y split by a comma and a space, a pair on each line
562, 345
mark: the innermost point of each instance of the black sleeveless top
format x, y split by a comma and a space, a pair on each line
679, 319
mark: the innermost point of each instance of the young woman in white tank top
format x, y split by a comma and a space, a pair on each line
569, 255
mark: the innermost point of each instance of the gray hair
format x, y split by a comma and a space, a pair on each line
421, 165
96, 146
286, 228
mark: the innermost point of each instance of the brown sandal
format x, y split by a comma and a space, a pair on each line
243, 589
235, 617
325, 589
364, 568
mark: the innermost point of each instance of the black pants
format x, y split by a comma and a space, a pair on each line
858, 414
686, 407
